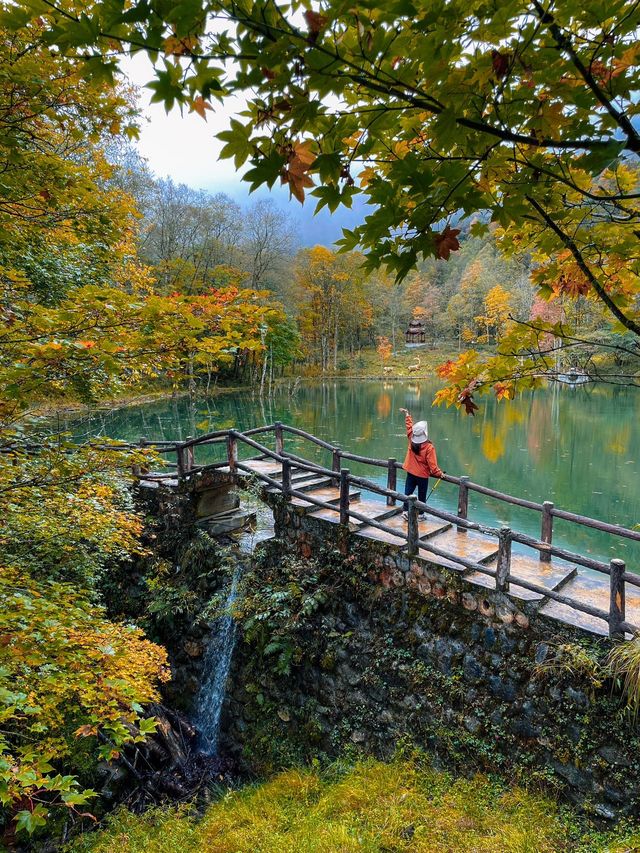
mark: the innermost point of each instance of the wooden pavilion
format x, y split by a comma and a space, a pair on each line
416, 333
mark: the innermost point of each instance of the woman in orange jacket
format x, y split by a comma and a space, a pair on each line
420, 462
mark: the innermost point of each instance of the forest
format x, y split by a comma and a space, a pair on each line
116, 283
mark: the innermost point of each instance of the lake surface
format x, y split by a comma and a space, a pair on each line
578, 447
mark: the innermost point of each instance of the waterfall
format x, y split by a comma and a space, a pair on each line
216, 663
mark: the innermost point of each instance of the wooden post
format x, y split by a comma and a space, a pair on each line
616, 599
279, 438
190, 455
413, 534
546, 534
335, 460
137, 470
286, 478
232, 451
344, 497
503, 566
392, 480
181, 460
463, 501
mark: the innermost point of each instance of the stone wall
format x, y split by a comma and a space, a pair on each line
372, 650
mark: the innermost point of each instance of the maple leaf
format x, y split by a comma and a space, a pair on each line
86, 731
315, 22
295, 172
466, 399
499, 63
447, 242
444, 370
200, 106
503, 391
174, 46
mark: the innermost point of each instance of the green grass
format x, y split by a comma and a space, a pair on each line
368, 363
401, 807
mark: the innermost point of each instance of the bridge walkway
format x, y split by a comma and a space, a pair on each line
556, 575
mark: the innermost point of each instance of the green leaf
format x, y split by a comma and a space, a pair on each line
29, 821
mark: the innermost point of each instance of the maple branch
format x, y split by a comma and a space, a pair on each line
564, 44
569, 243
569, 183
566, 336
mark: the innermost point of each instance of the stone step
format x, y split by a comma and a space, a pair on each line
529, 567
227, 523
470, 545
426, 528
329, 494
592, 588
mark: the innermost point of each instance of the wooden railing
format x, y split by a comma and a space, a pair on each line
343, 478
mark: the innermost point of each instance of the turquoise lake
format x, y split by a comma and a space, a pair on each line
577, 447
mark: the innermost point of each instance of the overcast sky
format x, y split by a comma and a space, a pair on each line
184, 148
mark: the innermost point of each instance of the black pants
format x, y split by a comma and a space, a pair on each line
410, 486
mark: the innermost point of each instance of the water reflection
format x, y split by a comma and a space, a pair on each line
575, 446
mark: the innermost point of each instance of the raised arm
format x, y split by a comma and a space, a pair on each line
408, 420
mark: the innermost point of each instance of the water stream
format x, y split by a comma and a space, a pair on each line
216, 663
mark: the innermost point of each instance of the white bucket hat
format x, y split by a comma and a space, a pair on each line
420, 432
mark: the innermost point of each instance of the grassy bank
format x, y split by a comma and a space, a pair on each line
402, 807
417, 363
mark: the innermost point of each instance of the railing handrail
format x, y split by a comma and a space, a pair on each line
575, 518
616, 569
426, 545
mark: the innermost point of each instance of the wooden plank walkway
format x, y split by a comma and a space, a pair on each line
575, 582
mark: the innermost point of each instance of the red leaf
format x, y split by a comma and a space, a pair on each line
444, 370
447, 242
315, 22
466, 400
500, 63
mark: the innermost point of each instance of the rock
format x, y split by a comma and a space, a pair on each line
489, 638
542, 650
521, 620
506, 643
473, 670
612, 755
522, 727
352, 677
502, 688
472, 725
604, 811
576, 697
412, 703
468, 601
496, 718
284, 715
485, 608
614, 795
358, 736
576, 778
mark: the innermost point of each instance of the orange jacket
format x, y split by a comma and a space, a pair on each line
423, 463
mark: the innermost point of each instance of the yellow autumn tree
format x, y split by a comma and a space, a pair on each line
497, 307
